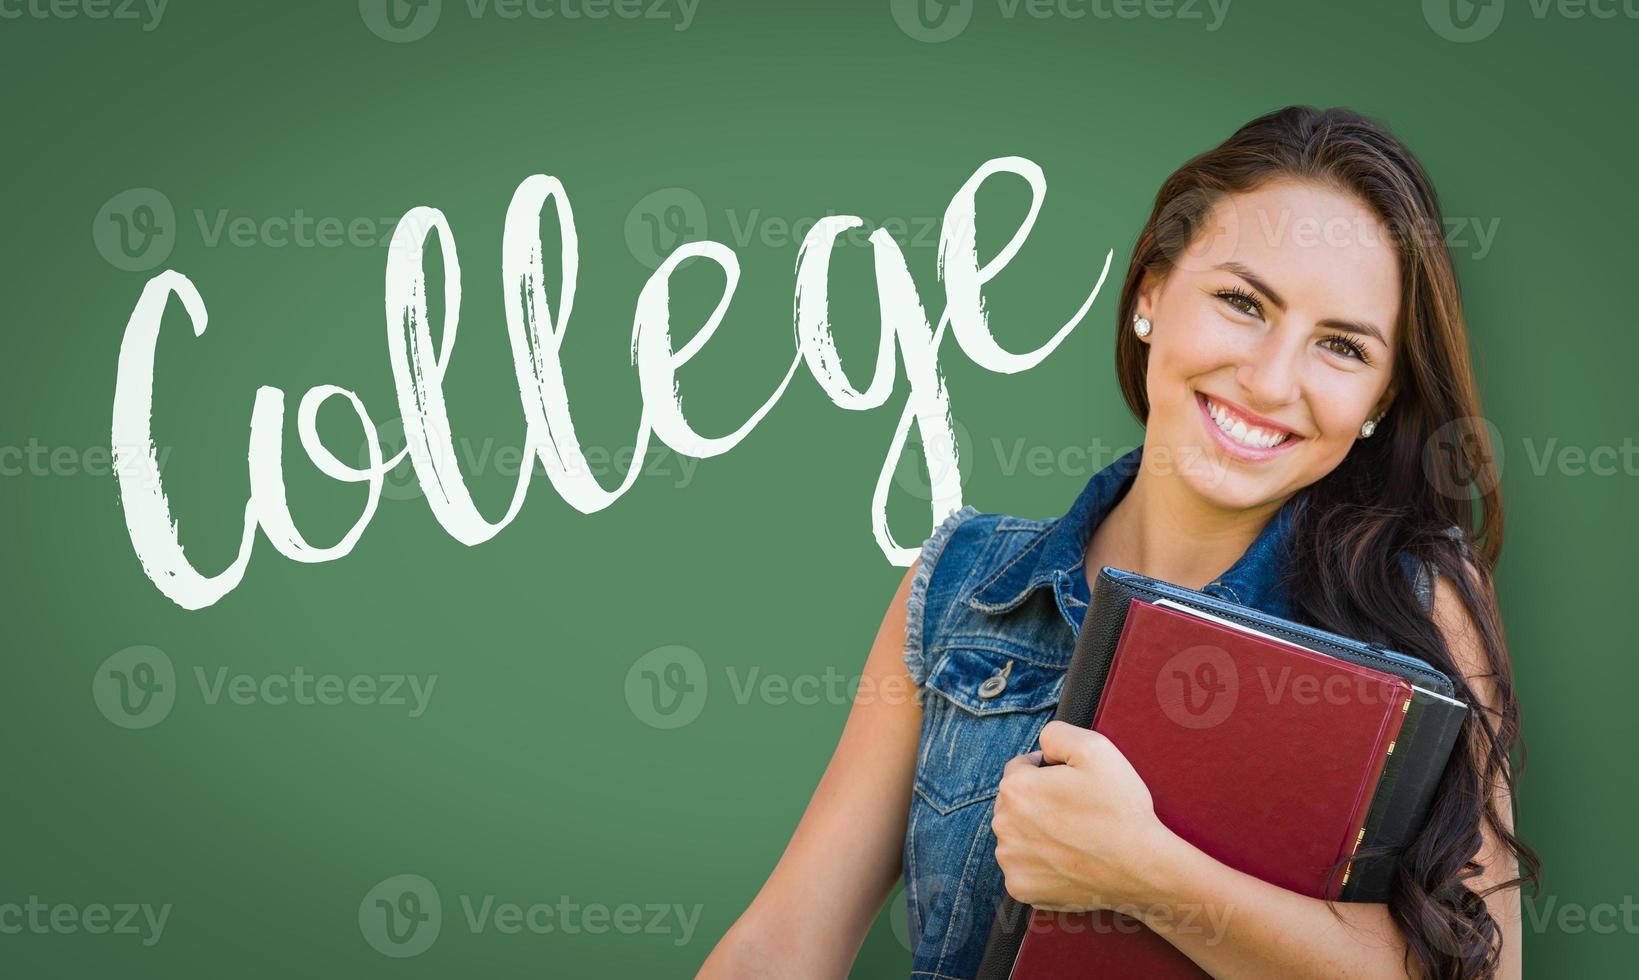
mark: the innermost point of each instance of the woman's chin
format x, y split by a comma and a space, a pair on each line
1229, 483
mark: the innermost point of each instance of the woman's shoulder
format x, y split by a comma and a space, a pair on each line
969, 538
1425, 573
968, 525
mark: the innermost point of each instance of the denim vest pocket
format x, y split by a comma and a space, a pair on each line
971, 731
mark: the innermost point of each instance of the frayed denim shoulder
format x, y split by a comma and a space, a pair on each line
1427, 573
916, 602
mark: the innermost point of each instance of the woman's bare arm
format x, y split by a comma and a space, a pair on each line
812, 914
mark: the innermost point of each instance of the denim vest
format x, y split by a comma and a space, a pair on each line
993, 591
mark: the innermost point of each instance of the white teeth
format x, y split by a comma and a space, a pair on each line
1237, 429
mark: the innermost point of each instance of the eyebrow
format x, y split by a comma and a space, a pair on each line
1348, 326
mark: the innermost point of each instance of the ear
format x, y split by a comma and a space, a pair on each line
1144, 301
1148, 289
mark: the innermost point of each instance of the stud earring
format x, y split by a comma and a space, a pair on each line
1141, 325
1368, 427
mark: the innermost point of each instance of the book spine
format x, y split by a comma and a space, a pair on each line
1388, 735
1425, 748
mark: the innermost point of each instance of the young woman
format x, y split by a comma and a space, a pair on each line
1291, 336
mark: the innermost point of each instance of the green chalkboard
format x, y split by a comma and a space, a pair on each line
579, 743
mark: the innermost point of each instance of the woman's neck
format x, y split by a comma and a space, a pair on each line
1163, 529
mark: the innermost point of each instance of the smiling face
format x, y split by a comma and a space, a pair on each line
1273, 339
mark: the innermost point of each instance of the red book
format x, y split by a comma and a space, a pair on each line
1261, 753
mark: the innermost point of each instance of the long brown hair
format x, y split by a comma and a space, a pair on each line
1428, 469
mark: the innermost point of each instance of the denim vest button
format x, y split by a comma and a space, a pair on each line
996, 683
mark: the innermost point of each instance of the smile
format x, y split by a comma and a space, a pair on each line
1244, 435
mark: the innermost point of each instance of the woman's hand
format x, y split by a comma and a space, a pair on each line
1076, 828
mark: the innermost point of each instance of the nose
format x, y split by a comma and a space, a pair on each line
1272, 369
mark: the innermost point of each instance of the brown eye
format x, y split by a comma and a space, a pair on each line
1339, 344
1241, 302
